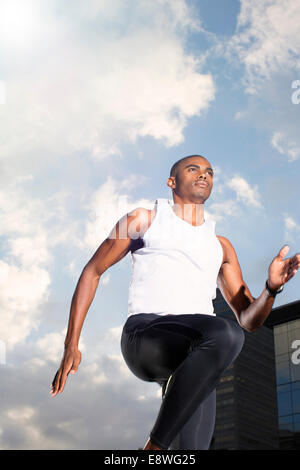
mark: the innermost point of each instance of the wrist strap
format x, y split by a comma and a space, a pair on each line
273, 292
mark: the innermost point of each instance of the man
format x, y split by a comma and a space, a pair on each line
172, 335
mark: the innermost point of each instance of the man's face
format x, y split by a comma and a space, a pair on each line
194, 179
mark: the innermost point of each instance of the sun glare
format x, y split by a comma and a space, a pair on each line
19, 22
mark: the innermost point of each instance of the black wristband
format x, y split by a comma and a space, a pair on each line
273, 292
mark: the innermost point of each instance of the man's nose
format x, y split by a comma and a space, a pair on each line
202, 174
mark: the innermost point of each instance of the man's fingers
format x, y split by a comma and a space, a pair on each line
284, 251
294, 264
69, 364
59, 382
62, 382
290, 275
296, 259
66, 371
55, 383
55, 379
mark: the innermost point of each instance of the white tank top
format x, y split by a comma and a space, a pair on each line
175, 270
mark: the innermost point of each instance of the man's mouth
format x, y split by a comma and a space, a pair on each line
202, 184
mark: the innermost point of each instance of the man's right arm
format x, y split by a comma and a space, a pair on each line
112, 249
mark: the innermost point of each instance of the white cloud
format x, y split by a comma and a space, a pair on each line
285, 147
267, 39
23, 421
133, 180
30, 250
92, 86
28, 241
99, 378
267, 46
277, 136
19, 212
21, 414
105, 279
2, 92
292, 229
222, 205
22, 292
181, 14
290, 223
106, 206
239, 115
220, 210
50, 347
244, 192
71, 268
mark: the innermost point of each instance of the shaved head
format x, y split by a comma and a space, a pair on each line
175, 167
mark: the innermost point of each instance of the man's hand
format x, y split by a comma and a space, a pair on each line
282, 270
69, 364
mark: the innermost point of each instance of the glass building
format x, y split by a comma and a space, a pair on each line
285, 321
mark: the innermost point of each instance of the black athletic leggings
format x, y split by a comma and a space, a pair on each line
185, 354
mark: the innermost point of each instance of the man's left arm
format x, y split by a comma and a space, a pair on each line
252, 313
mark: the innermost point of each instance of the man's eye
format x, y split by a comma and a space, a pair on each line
192, 169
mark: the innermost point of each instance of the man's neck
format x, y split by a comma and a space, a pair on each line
191, 212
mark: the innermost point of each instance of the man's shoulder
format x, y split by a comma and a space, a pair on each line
223, 240
228, 249
141, 213
139, 220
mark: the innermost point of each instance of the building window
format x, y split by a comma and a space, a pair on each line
287, 343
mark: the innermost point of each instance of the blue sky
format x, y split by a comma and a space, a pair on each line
97, 101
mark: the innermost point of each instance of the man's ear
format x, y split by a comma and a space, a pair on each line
171, 182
